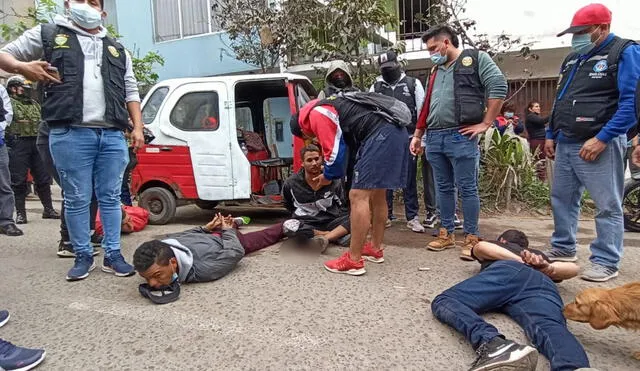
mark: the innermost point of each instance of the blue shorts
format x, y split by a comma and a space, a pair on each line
381, 162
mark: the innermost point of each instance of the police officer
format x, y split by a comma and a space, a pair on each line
395, 83
24, 155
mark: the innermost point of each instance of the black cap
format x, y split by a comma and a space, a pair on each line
388, 59
295, 126
162, 295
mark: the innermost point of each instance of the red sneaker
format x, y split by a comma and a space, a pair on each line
371, 254
345, 265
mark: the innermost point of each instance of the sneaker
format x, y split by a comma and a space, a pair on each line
50, 213
393, 218
371, 254
242, 220
4, 317
81, 268
457, 222
65, 250
387, 224
558, 255
502, 354
415, 226
469, 242
117, 265
319, 244
599, 273
13, 358
444, 241
21, 217
344, 241
290, 226
345, 265
96, 239
430, 220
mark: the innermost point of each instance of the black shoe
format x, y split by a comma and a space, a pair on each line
21, 217
65, 250
431, 220
505, 354
50, 213
11, 230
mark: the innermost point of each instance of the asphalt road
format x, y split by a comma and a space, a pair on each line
274, 312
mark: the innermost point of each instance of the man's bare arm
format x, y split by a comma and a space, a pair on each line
487, 251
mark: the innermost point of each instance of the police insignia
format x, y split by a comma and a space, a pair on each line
467, 61
600, 66
112, 49
61, 41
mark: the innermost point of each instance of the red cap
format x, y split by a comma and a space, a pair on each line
588, 16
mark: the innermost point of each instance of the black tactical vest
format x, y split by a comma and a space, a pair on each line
586, 103
469, 92
63, 103
405, 91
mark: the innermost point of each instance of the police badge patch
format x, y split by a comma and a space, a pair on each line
600, 66
112, 49
467, 61
61, 41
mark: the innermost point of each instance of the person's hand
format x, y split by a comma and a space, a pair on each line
321, 181
37, 71
550, 148
536, 262
215, 223
416, 146
137, 138
227, 222
592, 149
635, 156
474, 130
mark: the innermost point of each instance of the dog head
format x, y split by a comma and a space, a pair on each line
593, 306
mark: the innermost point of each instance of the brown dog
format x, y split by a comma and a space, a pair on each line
602, 308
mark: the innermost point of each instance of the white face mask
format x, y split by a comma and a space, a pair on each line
85, 16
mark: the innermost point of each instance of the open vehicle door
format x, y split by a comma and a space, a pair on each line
299, 95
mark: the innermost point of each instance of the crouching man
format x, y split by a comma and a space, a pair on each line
201, 254
518, 282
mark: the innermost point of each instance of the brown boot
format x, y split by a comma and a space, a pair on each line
444, 241
469, 242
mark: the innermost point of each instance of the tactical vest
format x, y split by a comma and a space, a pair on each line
63, 103
26, 118
586, 102
404, 91
469, 93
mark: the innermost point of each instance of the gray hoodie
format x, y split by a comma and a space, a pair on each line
28, 47
204, 257
330, 89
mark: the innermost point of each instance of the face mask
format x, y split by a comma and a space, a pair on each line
508, 115
438, 58
582, 44
174, 278
391, 75
339, 83
85, 16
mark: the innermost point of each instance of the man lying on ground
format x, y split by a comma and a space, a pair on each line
201, 254
518, 282
319, 211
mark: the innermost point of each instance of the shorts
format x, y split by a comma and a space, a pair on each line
381, 162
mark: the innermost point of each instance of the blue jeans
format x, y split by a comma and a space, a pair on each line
410, 193
604, 179
527, 296
454, 158
90, 158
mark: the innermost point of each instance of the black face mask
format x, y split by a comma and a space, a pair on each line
340, 83
391, 75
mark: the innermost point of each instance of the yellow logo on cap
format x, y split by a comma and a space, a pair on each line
61, 41
467, 61
112, 49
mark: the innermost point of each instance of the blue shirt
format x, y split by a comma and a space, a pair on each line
628, 74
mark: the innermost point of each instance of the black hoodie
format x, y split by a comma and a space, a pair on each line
321, 206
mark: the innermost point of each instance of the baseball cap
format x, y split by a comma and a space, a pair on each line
588, 16
161, 295
388, 59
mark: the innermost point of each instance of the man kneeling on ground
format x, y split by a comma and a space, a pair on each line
319, 211
518, 282
201, 254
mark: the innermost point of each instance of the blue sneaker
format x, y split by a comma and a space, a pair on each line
4, 317
13, 358
117, 265
81, 267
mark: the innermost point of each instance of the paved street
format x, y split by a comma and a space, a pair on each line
273, 312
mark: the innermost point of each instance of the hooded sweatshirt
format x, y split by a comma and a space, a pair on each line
331, 89
203, 256
29, 47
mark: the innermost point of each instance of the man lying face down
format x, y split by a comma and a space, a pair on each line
201, 254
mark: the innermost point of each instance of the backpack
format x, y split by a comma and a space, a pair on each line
389, 108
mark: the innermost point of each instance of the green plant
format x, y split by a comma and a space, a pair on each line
41, 13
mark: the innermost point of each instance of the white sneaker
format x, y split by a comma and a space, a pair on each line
415, 225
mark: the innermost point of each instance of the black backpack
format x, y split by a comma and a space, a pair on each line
390, 108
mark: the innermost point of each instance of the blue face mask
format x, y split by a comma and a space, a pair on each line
85, 16
582, 44
508, 115
174, 278
438, 58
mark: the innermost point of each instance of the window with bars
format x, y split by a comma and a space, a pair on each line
177, 19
